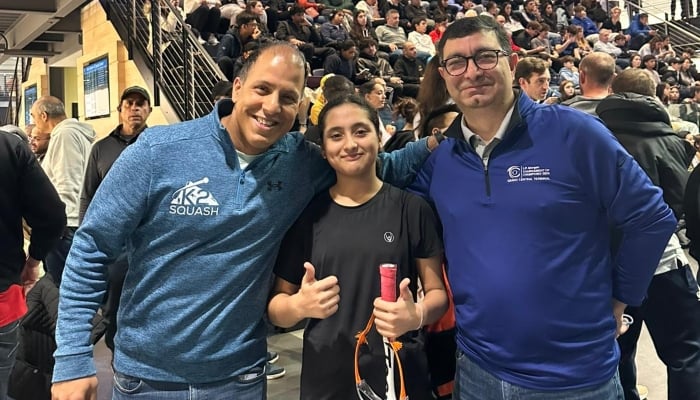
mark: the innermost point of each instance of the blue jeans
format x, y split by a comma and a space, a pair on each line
250, 386
9, 337
474, 383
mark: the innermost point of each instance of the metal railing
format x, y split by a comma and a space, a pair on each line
10, 91
182, 69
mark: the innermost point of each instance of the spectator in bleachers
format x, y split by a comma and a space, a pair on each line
375, 94
649, 64
590, 30
424, 44
659, 46
302, 34
440, 26
399, 7
568, 71
248, 50
676, 75
491, 9
529, 14
549, 16
563, 16
369, 66
541, 41
622, 43
640, 32
346, 5
278, 10
569, 46
414, 10
410, 68
361, 27
371, 9
433, 92
606, 46
567, 90
595, 11
204, 19
584, 47
233, 42
256, 8
333, 32
312, 11
636, 61
524, 38
391, 36
532, 76
674, 95
343, 62
443, 9
596, 73
613, 21
512, 24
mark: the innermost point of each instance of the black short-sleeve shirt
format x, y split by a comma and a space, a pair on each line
351, 242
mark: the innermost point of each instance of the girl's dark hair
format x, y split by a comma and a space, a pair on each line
348, 99
407, 108
428, 122
432, 92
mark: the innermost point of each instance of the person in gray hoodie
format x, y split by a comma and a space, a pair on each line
64, 164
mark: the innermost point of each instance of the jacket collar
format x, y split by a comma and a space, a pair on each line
523, 106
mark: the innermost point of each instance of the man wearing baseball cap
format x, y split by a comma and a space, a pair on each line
134, 108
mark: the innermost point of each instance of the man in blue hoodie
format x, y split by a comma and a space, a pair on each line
201, 207
539, 283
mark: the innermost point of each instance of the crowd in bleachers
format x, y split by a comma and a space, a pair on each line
392, 42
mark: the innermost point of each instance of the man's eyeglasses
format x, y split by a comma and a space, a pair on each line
39, 138
483, 59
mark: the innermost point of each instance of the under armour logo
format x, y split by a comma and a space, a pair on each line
271, 185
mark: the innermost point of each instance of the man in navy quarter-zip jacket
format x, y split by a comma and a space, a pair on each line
539, 286
201, 207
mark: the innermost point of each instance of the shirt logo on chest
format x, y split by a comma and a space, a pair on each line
388, 237
193, 200
526, 173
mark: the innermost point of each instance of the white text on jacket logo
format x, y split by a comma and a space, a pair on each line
193, 200
526, 173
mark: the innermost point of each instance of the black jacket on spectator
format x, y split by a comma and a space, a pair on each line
335, 64
644, 129
25, 192
230, 46
287, 30
409, 70
102, 155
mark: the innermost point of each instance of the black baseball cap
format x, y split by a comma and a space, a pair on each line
136, 90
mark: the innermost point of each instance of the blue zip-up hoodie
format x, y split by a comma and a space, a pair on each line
201, 237
528, 244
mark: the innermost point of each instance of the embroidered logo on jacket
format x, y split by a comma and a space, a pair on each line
526, 173
193, 200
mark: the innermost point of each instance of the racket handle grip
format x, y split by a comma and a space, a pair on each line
387, 273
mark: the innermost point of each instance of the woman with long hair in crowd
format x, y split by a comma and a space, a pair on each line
635, 61
512, 24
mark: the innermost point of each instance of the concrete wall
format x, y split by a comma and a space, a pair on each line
99, 39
